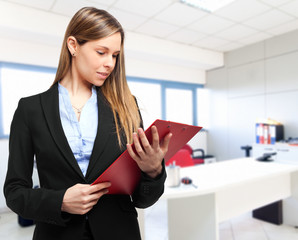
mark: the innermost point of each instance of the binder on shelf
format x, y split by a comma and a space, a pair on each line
258, 132
266, 132
261, 133
124, 173
272, 130
269, 132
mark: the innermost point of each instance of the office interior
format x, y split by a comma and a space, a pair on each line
221, 70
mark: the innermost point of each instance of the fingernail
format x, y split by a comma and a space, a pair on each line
108, 185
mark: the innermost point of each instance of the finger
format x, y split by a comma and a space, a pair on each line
166, 142
82, 210
92, 203
98, 187
138, 146
145, 143
87, 207
155, 137
87, 201
131, 152
95, 196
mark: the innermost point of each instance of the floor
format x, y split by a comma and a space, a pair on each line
243, 227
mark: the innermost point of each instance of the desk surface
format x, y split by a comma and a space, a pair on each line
214, 177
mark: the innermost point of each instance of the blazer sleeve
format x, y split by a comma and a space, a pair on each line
40, 204
149, 189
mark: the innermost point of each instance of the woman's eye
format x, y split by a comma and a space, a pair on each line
115, 56
100, 53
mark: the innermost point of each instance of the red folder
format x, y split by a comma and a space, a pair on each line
124, 173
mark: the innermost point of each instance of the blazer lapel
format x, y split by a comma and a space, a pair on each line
105, 126
50, 105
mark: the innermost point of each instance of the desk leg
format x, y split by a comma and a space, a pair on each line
193, 218
141, 219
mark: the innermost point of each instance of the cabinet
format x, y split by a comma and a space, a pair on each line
285, 154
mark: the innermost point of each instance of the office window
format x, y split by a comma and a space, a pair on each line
149, 100
166, 100
179, 105
157, 99
17, 81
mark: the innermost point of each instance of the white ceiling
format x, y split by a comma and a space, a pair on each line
241, 23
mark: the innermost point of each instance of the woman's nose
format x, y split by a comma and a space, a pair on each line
109, 61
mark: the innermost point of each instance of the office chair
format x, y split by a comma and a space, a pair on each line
196, 159
182, 158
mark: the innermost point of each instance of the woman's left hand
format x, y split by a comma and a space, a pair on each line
149, 156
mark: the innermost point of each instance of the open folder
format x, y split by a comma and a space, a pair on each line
124, 173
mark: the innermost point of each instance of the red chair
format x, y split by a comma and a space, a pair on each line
196, 159
188, 148
182, 158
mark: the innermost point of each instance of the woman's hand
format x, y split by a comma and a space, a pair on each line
149, 156
80, 198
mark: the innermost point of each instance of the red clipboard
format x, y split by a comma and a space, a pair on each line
124, 173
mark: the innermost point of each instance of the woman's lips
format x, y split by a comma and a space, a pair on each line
103, 74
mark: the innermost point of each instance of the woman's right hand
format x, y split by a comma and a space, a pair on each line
80, 198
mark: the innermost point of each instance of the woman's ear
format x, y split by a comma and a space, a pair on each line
72, 45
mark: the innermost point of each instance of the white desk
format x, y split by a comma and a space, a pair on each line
225, 189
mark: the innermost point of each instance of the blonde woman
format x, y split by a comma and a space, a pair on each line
75, 130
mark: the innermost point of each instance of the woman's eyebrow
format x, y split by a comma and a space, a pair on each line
117, 51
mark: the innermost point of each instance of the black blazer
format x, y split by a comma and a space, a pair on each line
36, 131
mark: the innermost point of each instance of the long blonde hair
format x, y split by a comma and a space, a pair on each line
92, 24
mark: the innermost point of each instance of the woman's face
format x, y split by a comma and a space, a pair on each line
95, 60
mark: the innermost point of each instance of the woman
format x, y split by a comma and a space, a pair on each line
75, 130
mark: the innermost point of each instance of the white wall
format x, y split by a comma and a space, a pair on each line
33, 53
258, 81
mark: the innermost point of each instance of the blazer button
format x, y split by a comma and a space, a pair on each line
51, 221
146, 190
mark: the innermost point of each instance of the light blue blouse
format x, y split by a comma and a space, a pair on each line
80, 134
